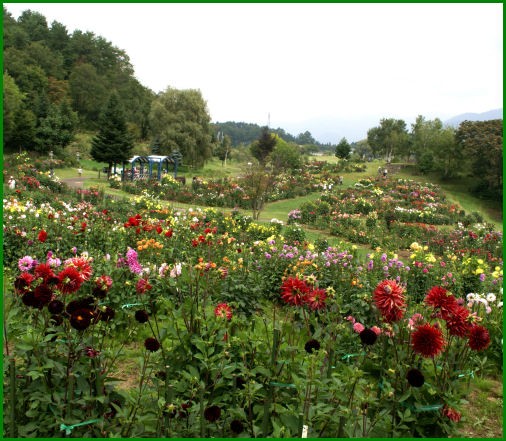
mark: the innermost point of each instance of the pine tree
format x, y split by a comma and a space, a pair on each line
343, 149
113, 144
261, 148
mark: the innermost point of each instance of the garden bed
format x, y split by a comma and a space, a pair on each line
135, 320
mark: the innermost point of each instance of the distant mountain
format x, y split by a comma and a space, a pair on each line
485, 116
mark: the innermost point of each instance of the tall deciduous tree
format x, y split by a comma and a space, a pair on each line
285, 156
435, 148
390, 138
180, 119
263, 146
482, 142
12, 105
223, 149
18, 121
113, 143
88, 92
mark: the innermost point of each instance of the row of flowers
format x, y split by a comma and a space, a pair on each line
227, 192
388, 212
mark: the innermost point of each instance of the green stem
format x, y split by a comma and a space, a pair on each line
13, 422
133, 411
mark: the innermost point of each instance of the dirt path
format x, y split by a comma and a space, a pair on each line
74, 182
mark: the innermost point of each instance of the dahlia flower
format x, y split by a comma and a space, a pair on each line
389, 299
427, 340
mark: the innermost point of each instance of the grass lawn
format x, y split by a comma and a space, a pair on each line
482, 414
457, 192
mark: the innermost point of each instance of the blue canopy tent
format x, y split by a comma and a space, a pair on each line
160, 164
147, 167
133, 172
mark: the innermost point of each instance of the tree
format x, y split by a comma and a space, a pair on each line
12, 105
285, 156
58, 37
112, 143
434, 147
223, 149
18, 120
57, 130
88, 93
482, 142
181, 121
343, 149
256, 183
362, 149
389, 139
263, 146
34, 24
305, 138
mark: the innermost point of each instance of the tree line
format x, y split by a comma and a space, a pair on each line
473, 150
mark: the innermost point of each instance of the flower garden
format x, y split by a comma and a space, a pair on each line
133, 318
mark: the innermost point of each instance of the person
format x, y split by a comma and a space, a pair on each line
80, 171
11, 183
340, 180
385, 172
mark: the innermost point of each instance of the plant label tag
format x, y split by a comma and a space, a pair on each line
304, 431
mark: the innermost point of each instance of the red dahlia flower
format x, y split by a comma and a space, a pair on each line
479, 338
42, 237
23, 282
43, 295
152, 344
315, 299
82, 265
142, 286
456, 321
294, 291
81, 319
389, 299
451, 414
44, 271
440, 298
104, 282
223, 310
69, 280
427, 340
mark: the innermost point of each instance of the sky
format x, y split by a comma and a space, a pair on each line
333, 69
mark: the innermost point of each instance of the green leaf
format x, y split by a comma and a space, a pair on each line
405, 396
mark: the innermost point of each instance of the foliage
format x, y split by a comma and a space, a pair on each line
482, 141
263, 146
343, 149
180, 120
56, 131
285, 156
389, 139
223, 149
112, 143
48, 64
